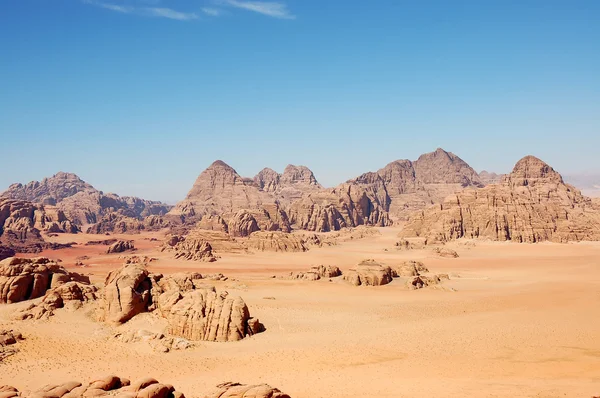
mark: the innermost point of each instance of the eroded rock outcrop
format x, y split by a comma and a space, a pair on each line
369, 273
531, 204
192, 309
190, 248
236, 390
25, 279
120, 246
317, 272
242, 224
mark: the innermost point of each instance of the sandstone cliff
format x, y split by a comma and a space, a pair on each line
531, 204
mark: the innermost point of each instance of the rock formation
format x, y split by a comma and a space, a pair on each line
190, 248
317, 272
531, 204
242, 224
70, 293
81, 203
25, 279
158, 341
410, 268
120, 246
275, 241
369, 273
213, 223
445, 252
193, 311
6, 252
115, 222
109, 386
236, 390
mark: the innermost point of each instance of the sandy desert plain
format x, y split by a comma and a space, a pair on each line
518, 320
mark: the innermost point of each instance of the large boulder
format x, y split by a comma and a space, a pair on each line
369, 273
317, 272
25, 279
126, 293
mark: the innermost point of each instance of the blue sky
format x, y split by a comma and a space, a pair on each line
139, 96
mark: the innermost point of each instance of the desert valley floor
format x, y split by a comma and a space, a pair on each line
514, 320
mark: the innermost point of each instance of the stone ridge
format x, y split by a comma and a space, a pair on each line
531, 204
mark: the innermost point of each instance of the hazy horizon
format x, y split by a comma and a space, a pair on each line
137, 97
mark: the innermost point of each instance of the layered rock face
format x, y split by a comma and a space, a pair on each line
531, 204
403, 186
82, 204
25, 279
126, 293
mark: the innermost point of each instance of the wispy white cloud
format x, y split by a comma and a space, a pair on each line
169, 13
145, 11
269, 8
213, 12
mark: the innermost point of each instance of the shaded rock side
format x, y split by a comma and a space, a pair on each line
120, 246
531, 204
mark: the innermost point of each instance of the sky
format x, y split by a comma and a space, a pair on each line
138, 97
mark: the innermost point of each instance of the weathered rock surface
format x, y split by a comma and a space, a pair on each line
25, 279
120, 246
275, 241
422, 281
531, 204
242, 224
107, 386
488, 178
6, 252
70, 293
190, 248
115, 222
445, 252
317, 272
213, 223
369, 273
236, 390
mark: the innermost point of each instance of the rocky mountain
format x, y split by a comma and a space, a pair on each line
275, 202
82, 204
531, 204
404, 186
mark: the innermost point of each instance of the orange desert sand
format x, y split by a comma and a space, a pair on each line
514, 320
